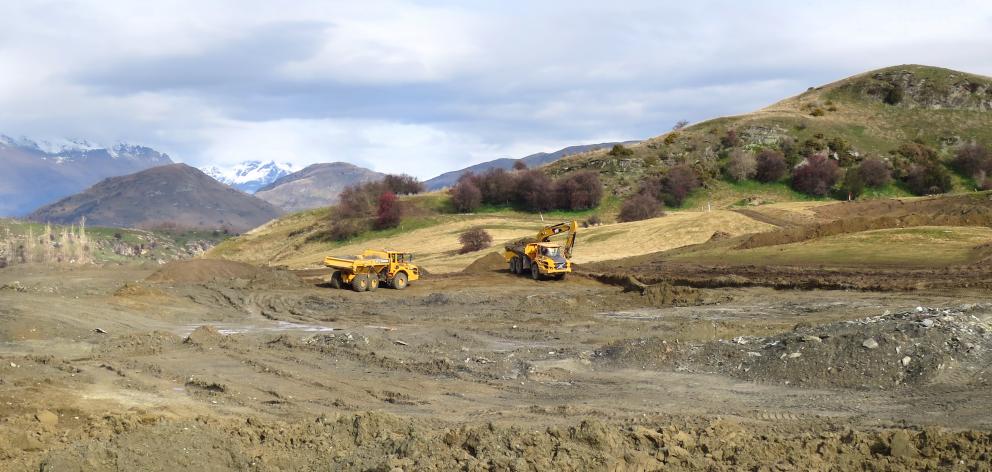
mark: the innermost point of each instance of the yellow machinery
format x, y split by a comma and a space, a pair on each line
372, 268
542, 258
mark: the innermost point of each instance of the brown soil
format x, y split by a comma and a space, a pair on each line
489, 263
209, 270
483, 371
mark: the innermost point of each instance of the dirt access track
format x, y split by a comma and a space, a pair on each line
211, 365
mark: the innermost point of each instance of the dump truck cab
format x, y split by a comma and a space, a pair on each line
371, 268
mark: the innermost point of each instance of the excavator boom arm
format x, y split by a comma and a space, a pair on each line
548, 232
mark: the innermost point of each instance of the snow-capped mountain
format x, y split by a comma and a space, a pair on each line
249, 176
39, 172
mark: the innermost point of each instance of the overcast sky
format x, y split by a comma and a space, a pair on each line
426, 87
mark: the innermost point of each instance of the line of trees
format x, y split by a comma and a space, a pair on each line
528, 190
828, 166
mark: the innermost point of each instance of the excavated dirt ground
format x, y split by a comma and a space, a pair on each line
214, 366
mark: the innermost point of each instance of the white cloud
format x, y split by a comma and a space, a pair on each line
424, 87
391, 45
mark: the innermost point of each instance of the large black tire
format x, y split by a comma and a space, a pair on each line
561, 276
515, 265
534, 272
336, 281
360, 283
373, 282
400, 281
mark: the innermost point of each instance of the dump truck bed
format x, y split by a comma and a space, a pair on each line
351, 263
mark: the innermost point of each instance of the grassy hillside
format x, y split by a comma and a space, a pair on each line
852, 119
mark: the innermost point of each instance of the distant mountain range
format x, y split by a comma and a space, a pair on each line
249, 176
448, 179
174, 196
35, 173
315, 186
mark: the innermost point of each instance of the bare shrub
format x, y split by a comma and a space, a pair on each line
359, 200
497, 186
770, 166
971, 159
534, 191
466, 196
854, 184
619, 150
520, 165
730, 139
928, 179
403, 184
343, 229
640, 207
389, 212
816, 176
742, 165
474, 239
874, 173
579, 191
677, 184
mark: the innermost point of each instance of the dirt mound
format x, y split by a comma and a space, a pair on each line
138, 344
377, 441
204, 336
665, 294
720, 236
210, 270
657, 294
489, 263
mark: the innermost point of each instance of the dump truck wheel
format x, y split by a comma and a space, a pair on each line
535, 273
399, 282
336, 281
360, 283
515, 265
373, 283
561, 276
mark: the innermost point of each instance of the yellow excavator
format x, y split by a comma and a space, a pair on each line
542, 258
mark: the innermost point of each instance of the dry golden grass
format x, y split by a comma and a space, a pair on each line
436, 247
925, 246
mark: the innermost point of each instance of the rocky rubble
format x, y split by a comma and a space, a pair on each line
879, 352
882, 351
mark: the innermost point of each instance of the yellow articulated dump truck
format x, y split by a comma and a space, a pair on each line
371, 268
542, 258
